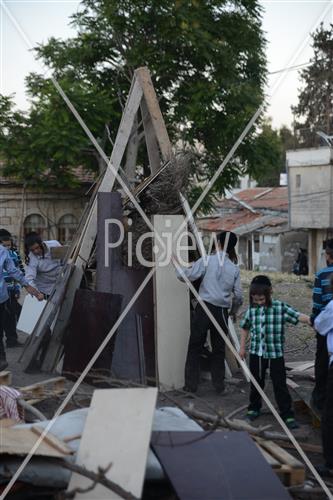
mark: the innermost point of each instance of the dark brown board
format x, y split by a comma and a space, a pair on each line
216, 466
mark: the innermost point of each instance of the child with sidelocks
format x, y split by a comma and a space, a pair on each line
264, 320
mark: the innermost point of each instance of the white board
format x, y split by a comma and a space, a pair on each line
31, 311
172, 310
117, 432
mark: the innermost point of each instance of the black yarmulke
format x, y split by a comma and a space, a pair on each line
261, 279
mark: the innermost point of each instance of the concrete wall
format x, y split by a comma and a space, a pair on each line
278, 252
309, 156
290, 243
316, 251
51, 206
270, 253
311, 201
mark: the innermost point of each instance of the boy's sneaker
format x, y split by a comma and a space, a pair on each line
252, 415
188, 388
291, 423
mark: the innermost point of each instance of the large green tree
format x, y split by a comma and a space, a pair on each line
208, 66
270, 151
314, 110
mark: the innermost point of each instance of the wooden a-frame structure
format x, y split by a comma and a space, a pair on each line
53, 321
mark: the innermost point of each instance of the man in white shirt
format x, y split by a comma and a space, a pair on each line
41, 270
221, 291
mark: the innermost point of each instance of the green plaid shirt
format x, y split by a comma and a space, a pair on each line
266, 326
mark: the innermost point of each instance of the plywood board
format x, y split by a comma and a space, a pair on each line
117, 432
19, 441
172, 309
30, 314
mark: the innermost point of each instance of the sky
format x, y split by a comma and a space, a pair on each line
286, 23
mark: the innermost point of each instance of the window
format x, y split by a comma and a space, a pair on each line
270, 239
67, 226
36, 223
256, 242
298, 180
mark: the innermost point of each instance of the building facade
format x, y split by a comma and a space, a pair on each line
310, 182
53, 213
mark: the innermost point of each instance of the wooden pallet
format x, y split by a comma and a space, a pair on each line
5, 378
290, 470
42, 390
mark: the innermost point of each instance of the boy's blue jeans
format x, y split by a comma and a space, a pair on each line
258, 367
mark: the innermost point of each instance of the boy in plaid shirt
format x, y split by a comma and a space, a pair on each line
264, 320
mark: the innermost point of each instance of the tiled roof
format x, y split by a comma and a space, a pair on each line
83, 175
262, 198
228, 222
241, 222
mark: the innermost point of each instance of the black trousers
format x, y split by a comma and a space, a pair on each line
2, 347
327, 420
12, 311
200, 325
258, 367
321, 372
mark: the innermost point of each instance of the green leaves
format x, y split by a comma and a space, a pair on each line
315, 106
207, 62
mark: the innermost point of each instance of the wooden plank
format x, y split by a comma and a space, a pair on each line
7, 422
291, 383
300, 366
43, 327
172, 309
117, 432
5, 378
220, 465
150, 138
143, 76
55, 347
52, 440
56, 384
269, 459
19, 441
280, 454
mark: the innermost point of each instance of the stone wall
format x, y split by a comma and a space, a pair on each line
51, 206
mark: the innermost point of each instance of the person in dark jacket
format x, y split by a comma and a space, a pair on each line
12, 308
322, 294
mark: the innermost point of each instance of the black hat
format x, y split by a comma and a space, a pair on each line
329, 244
5, 234
232, 242
261, 279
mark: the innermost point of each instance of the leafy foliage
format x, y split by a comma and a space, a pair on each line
315, 107
208, 66
271, 146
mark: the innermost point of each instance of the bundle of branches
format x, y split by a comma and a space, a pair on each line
160, 197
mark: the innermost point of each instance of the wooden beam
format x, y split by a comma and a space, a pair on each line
150, 138
143, 76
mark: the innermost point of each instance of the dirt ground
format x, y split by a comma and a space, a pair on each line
300, 346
